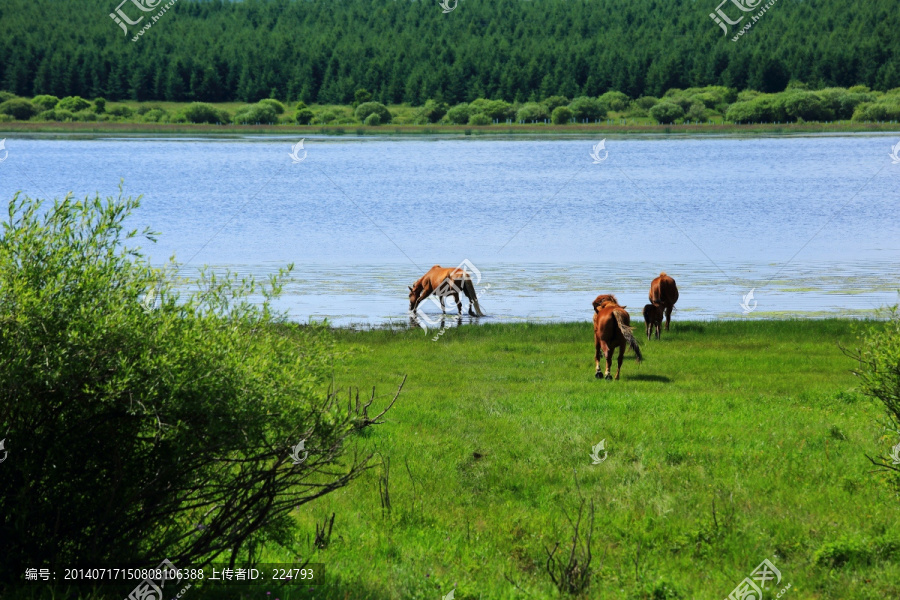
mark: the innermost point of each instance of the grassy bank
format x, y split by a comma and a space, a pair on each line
593, 129
732, 443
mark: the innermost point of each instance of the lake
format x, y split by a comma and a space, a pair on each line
809, 223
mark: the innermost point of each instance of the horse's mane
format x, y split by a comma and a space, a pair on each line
663, 274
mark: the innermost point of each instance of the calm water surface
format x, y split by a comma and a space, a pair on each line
812, 223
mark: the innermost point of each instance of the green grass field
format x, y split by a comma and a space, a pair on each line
759, 419
733, 442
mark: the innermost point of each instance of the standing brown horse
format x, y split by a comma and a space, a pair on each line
443, 282
653, 316
612, 329
664, 292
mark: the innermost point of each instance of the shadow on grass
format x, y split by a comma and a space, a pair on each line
642, 377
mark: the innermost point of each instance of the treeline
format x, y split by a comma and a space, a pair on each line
402, 51
692, 105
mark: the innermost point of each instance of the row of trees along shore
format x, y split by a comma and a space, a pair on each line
797, 103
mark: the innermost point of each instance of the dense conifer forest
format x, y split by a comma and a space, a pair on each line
401, 51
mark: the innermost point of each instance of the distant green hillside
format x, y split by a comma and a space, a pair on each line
321, 51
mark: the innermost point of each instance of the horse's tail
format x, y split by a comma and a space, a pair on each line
626, 333
469, 291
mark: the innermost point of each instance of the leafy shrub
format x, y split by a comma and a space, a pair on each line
459, 114
584, 107
120, 111
155, 115
73, 103
325, 117
532, 112
373, 119
432, 112
19, 109
301, 105
552, 102
6, 118
200, 112
761, 109
498, 110
304, 116
697, 112
647, 102
802, 105
561, 115
112, 383
253, 114
666, 113
277, 106
868, 111
57, 114
878, 366
480, 119
4, 96
99, 105
86, 115
615, 101
367, 108
856, 551
45, 101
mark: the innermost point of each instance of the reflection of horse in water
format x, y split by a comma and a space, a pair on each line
612, 329
443, 282
664, 292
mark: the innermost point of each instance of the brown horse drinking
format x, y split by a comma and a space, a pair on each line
443, 282
653, 316
664, 292
612, 329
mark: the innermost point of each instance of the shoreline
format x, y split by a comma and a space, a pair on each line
593, 129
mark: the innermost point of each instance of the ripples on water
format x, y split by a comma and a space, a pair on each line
363, 217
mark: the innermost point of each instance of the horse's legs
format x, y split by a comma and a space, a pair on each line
649, 328
426, 291
621, 356
597, 357
608, 353
458, 303
658, 325
669, 308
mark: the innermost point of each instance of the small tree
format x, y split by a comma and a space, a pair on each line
141, 422
615, 101
73, 103
432, 112
253, 114
666, 113
531, 112
552, 102
200, 112
361, 96
459, 114
561, 115
45, 101
367, 108
480, 119
99, 105
373, 120
304, 116
277, 106
588, 108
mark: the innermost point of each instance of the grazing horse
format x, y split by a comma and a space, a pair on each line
664, 292
612, 329
653, 316
443, 282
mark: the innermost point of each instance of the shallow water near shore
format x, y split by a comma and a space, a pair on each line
809, 223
